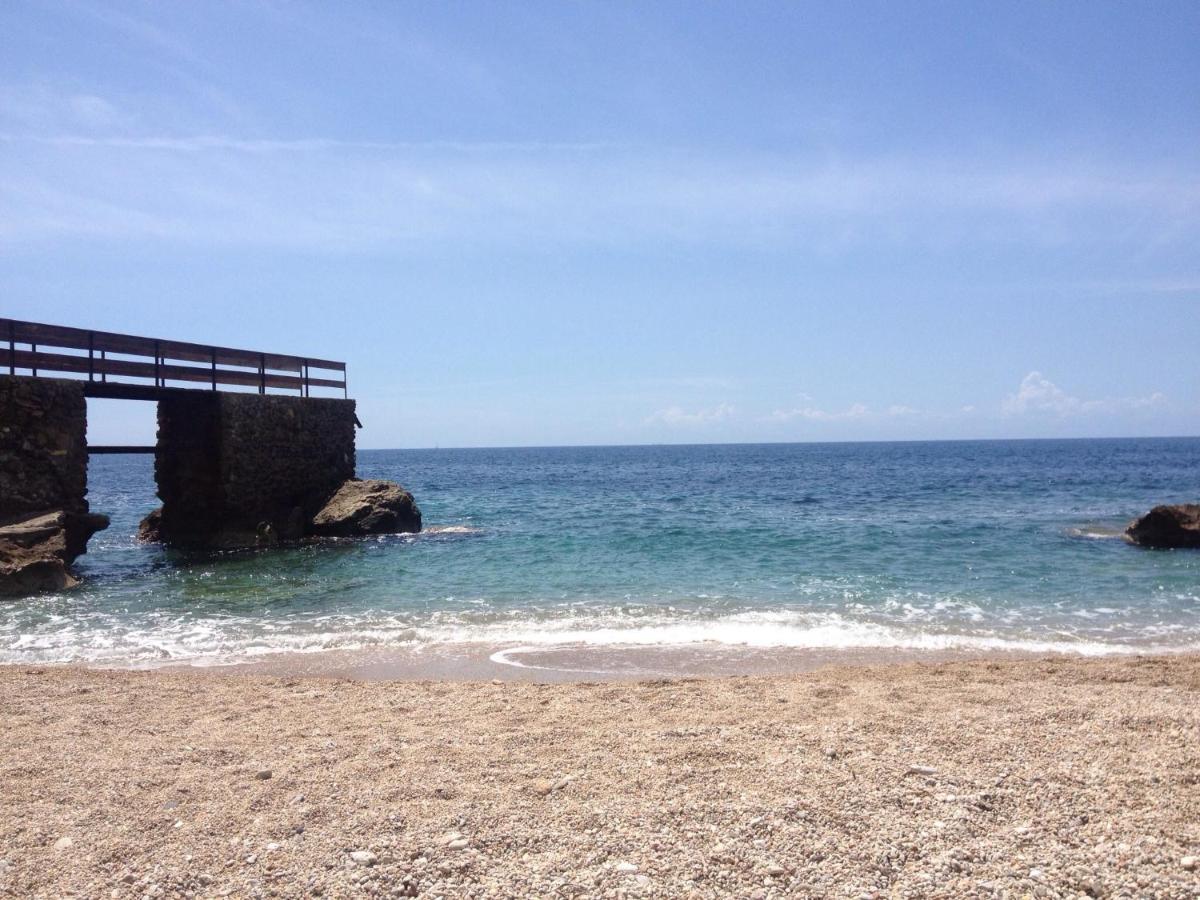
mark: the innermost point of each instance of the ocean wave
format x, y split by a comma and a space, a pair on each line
768, 631
1096, 532
227, 640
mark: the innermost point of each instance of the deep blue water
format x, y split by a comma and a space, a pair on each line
928, 545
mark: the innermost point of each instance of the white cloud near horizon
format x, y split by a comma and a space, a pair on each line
677, 416
814, 414
1039, 395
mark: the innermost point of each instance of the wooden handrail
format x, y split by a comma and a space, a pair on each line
220, 365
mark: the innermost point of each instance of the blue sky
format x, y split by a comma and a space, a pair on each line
580, 222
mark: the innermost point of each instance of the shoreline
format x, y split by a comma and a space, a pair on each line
572, 663
987, 778
564, 663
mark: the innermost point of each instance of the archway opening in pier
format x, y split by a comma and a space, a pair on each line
121, 485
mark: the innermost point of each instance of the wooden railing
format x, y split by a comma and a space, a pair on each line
169, 361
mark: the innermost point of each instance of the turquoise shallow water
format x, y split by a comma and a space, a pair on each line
941, 545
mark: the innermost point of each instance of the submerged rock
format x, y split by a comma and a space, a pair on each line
36, 551
367, 507
1167, 527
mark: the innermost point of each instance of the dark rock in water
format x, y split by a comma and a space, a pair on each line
1167, 527
150, 528
367, 507
36, 551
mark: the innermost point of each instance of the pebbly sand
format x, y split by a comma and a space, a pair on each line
1041, 777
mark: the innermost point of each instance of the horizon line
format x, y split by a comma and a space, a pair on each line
991, 440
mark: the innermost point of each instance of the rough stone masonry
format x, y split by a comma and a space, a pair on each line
245, 470
44, 517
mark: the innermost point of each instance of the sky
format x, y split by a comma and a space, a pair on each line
615, 223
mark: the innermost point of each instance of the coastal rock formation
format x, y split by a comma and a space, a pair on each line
367, 507
44, 518
1167, 527
36, 551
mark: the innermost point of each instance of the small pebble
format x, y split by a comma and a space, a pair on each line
364, 857
459, 844
921, 770
262, 774
626, 868
1190, 863
63, 843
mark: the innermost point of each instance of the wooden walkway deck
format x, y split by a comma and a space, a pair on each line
124, 366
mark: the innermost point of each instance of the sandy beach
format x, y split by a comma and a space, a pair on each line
1044, 778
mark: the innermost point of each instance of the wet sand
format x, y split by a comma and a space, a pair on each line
554, 664
1040, 777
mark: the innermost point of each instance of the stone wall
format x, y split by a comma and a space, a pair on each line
43, 445
44, 519
284, 451
237, 470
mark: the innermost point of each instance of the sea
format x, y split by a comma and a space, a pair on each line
990, 546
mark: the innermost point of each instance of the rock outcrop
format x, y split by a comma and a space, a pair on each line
367, 507
1167, 527
36, 551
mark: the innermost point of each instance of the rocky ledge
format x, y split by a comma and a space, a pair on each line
36, 550
1167, 527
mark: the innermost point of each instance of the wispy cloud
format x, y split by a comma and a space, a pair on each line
1038, 395
677, 416
110, 182
200, 143
815, 414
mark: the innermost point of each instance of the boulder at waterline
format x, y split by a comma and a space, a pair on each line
1167, 527
367, 507
36, 551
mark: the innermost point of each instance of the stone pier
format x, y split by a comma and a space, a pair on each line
234, 471
44, 517
246, 470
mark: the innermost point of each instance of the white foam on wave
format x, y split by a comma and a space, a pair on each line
1096, 533
222, 641
780, 631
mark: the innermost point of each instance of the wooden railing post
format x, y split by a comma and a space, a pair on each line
262, 373
12, 348
214, 367
91, 356
33, 362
